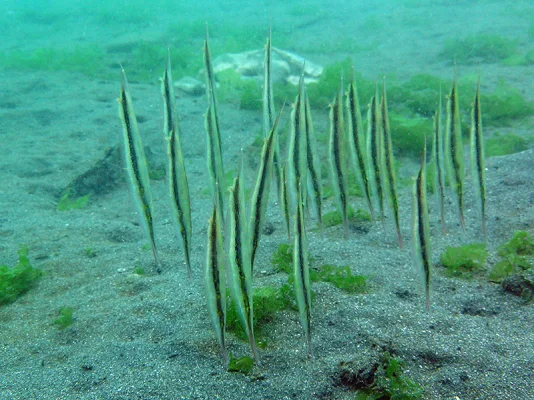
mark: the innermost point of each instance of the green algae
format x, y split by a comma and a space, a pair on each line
65, 318
517, 256
464, 261
484, 48
68, 201
340, 277
242, 365
17, 280
390, 382
508, 143
334, 218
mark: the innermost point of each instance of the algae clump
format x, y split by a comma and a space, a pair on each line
242, 364
479, 48
65, 318
505, 104
17, 280
340, 277
517, 256
390, 382
501, 145
464, 261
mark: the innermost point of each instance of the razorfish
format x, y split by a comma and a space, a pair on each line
215, 280
337, 151
239, 254
421, 227
179, 188
388, 164
356, 138
260, 197
314, 168
454, 150
136, 164
297, 161
438, 156
375, 151
302, 273
477, 156
269, 114
215, 161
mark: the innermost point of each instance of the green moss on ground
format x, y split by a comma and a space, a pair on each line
501, 145
17, 280
68, 201
340, 277
242, 365
517, 256
505, 104
464, 261
88, 60
334, 218
65, 318
479, 48
389, 382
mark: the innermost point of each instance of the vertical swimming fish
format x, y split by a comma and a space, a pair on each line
356, 138
477, 156
260, 197
337, 150
269, 117
136, 163
454, 148
375, 150
215, 280
297, 163
388, 163
240, 261
312, 160
421, 227
437, 156
302, 273
284, 200
179, 188
215, 162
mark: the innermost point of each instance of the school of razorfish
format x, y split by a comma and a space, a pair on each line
298, 180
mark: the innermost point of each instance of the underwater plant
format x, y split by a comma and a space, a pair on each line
68, 201
17, 280
517, 256
65, 318
504, 144
481, 47
464, 261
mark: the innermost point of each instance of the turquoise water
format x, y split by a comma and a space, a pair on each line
142, 331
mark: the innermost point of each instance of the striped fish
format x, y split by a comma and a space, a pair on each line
338, 165
215, 280
312, 160
239, 255
375, 150
302, 273
477, 156
356, 138
214, 152
297, 165
284, 201
388, 163
269, 118
179, 189
260, 197
136, 163
421, 227
438, 156
454, 150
